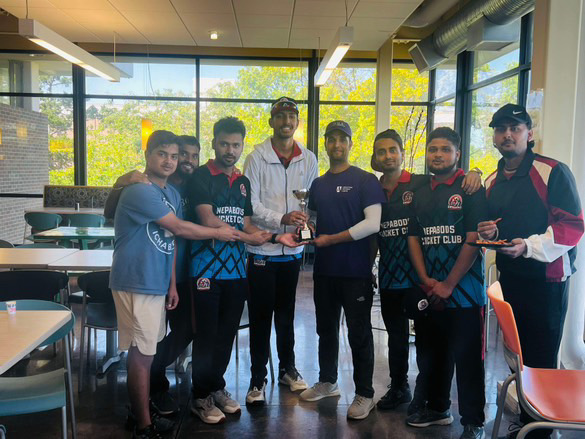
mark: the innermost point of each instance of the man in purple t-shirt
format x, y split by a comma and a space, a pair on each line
347, 203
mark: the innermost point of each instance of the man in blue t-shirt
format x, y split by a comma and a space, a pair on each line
347, 203
442, 223
143, 267
181, 333
219, 195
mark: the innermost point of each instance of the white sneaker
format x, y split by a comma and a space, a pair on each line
360, 408
206, 410
293, 379
256, 395
319, 391
224, 401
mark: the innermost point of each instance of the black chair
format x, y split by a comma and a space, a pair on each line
32, 284
98, 310
5, 244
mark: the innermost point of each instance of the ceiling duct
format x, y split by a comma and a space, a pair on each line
451, 38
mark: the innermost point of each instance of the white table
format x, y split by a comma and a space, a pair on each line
66, 210
84, 260
20, 333
33, 258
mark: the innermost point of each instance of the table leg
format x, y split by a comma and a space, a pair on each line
112, 355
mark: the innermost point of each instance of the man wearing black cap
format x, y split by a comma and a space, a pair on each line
537, 201
275, 168
347, 202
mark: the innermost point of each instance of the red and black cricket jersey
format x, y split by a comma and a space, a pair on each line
442, 215
540, 198
395, 270
230, 199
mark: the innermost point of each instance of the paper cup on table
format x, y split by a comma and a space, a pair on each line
11, 307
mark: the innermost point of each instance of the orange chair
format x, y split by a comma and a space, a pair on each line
554, 397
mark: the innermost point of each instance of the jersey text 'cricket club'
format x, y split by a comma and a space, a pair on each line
442, 216
395, 270
229, 197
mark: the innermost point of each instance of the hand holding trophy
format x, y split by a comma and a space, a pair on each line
305, 233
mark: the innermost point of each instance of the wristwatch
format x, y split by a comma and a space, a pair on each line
476, 169
273, 238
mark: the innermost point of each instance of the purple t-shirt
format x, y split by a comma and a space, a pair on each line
340, 200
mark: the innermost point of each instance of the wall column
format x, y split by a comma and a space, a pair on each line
558, 68
384, 86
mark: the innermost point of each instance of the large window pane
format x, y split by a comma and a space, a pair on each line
34, 73
253, 79
446, 78
255, 118
146, 76
408, 85
444, 114
351, 82
362, 119
487, 64
485, 102
114, 142
411, 122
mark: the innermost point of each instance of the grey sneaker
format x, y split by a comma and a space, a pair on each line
360, 408
206, 410
224, 401
472, 432
293, 379
256, 394
319, 391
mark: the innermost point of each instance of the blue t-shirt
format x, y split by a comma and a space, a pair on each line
143, 250
182, 264
340, 200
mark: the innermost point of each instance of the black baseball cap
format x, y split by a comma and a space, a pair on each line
338, 125
511, 112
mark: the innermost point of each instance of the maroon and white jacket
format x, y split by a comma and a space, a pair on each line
540, 204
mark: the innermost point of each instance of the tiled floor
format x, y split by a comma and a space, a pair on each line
101, 407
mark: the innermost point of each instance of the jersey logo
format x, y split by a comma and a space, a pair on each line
203, 284
343, 189
455, 202
407, 197
423, 304
243, 190
260, 262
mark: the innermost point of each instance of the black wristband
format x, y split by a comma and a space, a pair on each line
273, 238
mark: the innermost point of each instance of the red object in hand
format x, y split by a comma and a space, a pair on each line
437, 304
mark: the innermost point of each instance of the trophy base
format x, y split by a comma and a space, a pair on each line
305, 235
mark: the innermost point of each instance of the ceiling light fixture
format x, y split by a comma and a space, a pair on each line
339, 46
213, 35
52, 41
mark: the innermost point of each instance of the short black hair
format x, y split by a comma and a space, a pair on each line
229, 125
188, 140
390, 134
160, 137
445, 133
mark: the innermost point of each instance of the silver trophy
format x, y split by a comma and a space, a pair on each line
305, 233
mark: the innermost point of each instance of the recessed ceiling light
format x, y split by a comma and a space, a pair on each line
213, 35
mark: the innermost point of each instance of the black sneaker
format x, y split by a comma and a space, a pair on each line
159, 423
416, 405
164, 404
428, 417
513, 430
394, 397
146, 433
472, 432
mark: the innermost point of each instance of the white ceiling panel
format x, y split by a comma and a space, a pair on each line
384, 9
261, 23
264, 7
267, 37
203, 6
264, 21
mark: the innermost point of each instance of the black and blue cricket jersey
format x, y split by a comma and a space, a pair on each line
230, 199
442, 215
395, 270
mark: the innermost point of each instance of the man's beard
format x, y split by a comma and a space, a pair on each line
443, 171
